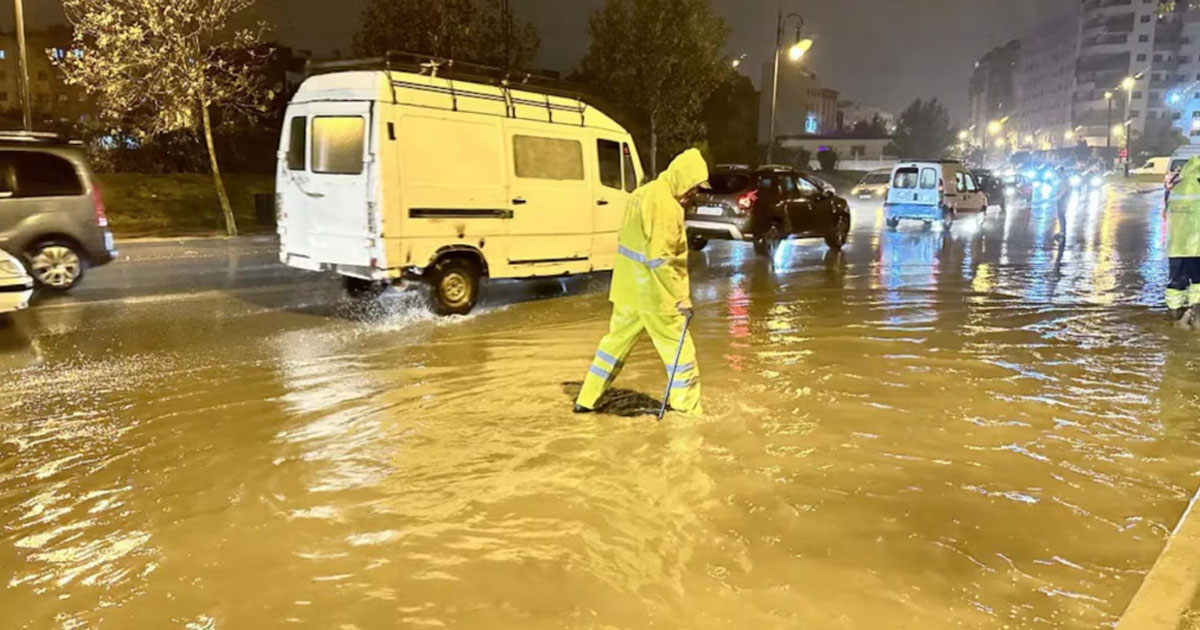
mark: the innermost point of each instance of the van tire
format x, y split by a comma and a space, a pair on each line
359, 289
454, 284
893, 223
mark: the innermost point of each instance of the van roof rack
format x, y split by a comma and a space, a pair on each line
430, 65
35, 137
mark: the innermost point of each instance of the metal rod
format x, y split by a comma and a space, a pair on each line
662, 411
23, 67
775, 89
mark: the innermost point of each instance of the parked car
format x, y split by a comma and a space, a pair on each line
1018, 187
16, 287
993, 188
765, 206
873, 185
51, 209
386, 173
932, 191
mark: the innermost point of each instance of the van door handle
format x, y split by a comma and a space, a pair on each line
519, 201
602, 202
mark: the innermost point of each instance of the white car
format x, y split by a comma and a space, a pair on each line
16, 286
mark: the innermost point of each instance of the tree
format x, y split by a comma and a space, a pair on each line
731, 117
874, 128
168, 63
659, 60
475, 31
923, 131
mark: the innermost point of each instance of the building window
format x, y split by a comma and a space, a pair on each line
62, 98
1154, 96
1141, 57
1156, 77
1145, 19
1158, 57
1135, 113
1137, 96
1143, 38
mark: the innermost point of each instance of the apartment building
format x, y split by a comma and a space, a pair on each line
806, 107
52, 99
1043, 119
993, 89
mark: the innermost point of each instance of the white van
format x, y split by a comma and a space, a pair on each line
1182, 156
1153, 166
932, 191
384, 175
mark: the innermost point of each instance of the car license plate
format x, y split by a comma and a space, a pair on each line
108, 241
711, 211
866, 196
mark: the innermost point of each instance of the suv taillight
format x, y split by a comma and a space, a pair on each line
98, 205
746, 202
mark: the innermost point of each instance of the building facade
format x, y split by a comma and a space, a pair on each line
993, 89
52, 100
805, 106
1043, 119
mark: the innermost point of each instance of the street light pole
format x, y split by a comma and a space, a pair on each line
23, 66
797, 51
1108, 96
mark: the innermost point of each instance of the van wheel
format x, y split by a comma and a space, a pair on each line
455, 283
697, 243
56, 265
893, 223
359, 289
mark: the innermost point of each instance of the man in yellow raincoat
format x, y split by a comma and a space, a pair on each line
1183, 245
650, 288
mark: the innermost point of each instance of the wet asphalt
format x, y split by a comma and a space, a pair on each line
986, 427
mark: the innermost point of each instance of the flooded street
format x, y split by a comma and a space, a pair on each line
971, 429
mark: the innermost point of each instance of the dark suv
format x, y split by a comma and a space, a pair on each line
765, 206
51, 211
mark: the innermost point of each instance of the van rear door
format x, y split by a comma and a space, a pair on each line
326, 186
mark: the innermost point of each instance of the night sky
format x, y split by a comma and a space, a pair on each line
903, 49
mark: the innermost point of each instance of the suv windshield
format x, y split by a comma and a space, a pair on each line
874, 179
728, 183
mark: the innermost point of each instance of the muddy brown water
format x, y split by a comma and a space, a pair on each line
965, 429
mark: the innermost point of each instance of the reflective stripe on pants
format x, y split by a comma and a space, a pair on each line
625, 329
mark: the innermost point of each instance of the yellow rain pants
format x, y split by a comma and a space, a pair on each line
665, 330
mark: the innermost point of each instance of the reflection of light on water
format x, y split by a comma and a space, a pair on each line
1104, 278
1154, 262
982, 282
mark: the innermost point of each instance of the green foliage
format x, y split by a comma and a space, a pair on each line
923, 131
828, 160
731, 116
156, 62
178, 204
659, 60
874, 128
465, 30
796, 157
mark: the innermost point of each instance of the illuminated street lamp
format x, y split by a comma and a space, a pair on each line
1127, 84
996, 126
796, 52
737, 62
964, 135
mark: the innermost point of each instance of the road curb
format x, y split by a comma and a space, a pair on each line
1173, 584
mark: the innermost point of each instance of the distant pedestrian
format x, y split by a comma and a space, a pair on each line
1183, 246
650, 287
1062, 202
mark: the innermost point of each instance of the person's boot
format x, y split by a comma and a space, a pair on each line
582, 409
1181, 317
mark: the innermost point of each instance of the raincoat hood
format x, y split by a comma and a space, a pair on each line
685, 172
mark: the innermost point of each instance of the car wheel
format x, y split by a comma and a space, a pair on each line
56, 265
893, 223
359, 289
455, 283
766, 244
697, 243
841, 231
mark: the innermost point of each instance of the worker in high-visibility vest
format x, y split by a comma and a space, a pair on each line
650, 287
1183, 245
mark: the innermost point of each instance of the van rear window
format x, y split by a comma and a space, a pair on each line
337, 145
905, 178
929, 179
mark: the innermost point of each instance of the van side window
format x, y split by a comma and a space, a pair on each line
610, 163
40, 174
631, 178
297, 143
928, 179
548, 158
337, 144
969, 181
960, 182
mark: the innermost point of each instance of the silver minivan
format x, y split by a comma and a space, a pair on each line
51, 209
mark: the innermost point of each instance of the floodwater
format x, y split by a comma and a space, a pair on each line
966, 429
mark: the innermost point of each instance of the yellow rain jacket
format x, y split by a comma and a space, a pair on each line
650, 274
1183, 214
